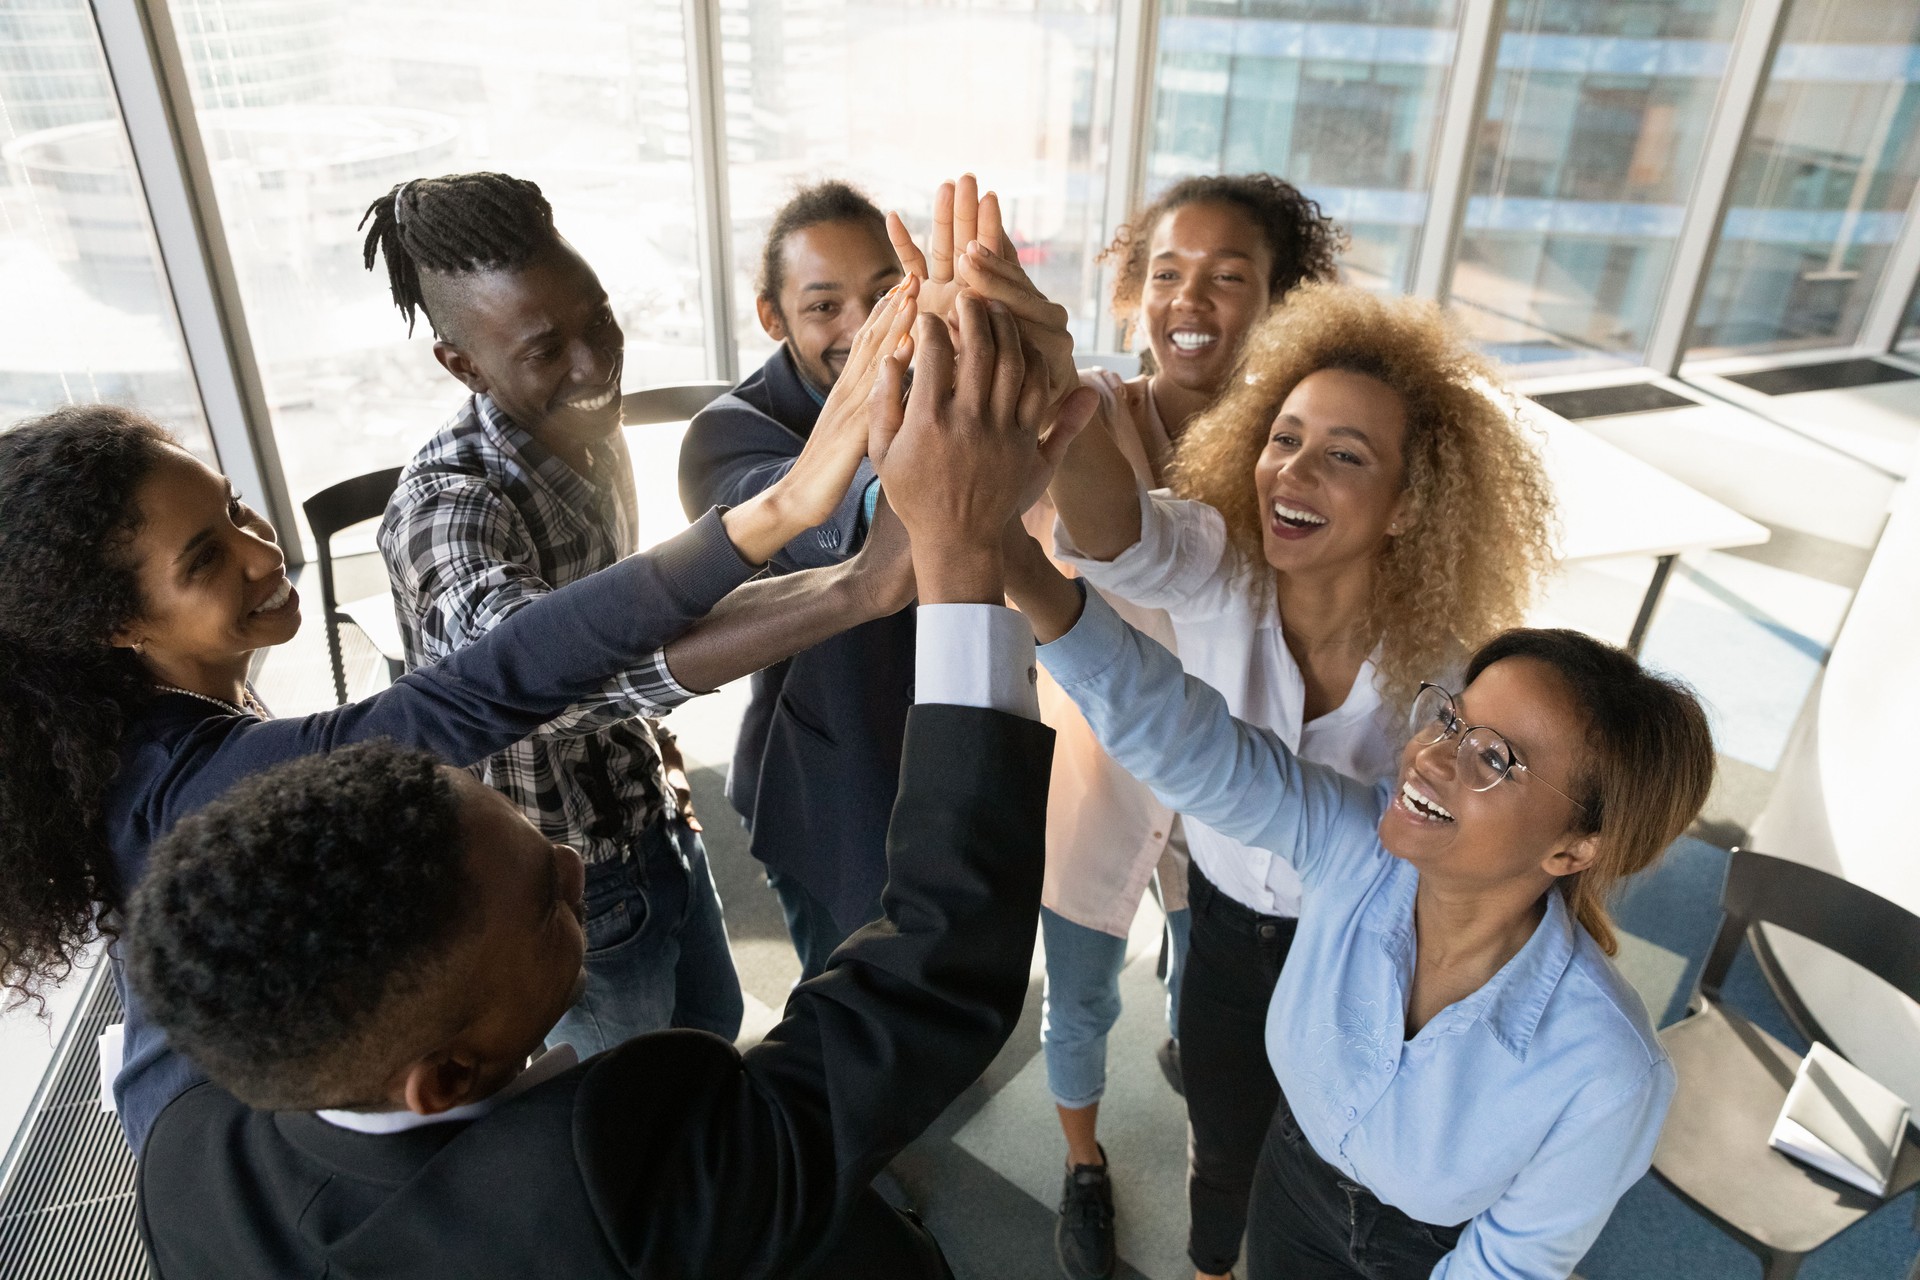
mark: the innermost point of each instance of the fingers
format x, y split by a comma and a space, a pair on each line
993, 277
1036, 389
966, 211
1010, 371
886, 405
1075, 412
974, 365
911, 259
941, 245
991, 232
933, 355
885, 326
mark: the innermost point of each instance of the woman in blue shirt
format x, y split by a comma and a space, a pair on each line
135, 589
1469, 1085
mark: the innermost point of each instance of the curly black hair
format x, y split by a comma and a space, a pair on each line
1304, 241
281, 933
68, 482
823, 202
461, 223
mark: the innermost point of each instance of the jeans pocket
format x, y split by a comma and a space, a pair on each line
616, 921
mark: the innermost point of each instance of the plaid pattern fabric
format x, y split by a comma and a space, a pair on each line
485, 521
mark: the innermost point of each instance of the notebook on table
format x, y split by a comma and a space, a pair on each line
1841, 1121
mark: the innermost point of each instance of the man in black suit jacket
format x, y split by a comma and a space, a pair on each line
366, 947
818, 756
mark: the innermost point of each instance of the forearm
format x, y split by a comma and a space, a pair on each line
1096, 491
1048, 598
767, 621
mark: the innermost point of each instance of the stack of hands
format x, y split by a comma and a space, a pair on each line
961, 448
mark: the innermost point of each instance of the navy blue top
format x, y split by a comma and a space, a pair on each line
183, 752
817, 762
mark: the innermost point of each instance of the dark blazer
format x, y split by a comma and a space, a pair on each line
672, 1155
818, 756
182, 752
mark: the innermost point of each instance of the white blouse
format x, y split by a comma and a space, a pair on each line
1228, 626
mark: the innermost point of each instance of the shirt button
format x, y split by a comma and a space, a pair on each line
1268, 931
1352, 1114
1159, 835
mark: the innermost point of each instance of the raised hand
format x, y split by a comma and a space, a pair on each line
998, 276
961, 216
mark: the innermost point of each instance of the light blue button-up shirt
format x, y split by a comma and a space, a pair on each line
1524, 1110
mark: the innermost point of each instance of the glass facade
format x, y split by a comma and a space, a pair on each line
1585, 159
90, 318
310, 109
1823, 182
1340, 97
1019, 95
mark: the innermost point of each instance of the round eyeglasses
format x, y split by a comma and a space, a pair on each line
1485, 758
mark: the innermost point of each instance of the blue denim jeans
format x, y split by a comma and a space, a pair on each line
1082, 1001
657, 953
811, 926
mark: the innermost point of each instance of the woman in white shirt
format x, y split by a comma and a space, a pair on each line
1363, 481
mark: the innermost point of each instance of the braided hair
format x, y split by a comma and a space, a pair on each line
462, 223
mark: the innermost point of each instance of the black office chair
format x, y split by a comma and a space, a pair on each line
1734, 1076
329, 511
675, 403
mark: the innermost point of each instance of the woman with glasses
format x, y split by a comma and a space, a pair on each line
1356, 511
1467, 1084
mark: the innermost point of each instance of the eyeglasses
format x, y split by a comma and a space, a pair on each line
1486, 759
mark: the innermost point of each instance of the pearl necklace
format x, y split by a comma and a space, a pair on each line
254, 707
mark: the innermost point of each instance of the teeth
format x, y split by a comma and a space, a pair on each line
1421, 804
1286, 512
279, 597
1192, 341
591, 403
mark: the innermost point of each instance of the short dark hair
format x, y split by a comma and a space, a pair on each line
281, 932
1651, 758
1304, 241
461, 223
823, 202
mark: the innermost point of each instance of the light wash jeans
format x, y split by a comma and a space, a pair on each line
1082, 1001
657, 953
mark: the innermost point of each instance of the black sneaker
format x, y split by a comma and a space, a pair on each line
1083, 1238
1169, 1056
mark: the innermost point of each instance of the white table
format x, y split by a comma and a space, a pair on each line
1613, 504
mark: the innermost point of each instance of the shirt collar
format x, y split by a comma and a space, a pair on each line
514, 440
551, 1063
1517, 996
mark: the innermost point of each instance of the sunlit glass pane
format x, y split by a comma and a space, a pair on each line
88, 315
1823, 182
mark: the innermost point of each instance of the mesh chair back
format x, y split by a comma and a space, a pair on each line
675, 403
1879, 936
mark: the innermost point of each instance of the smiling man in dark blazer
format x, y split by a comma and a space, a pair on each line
818, 756
363, 949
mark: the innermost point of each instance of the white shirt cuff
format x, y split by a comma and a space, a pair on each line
976, 655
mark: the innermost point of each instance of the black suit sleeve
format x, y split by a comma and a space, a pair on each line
732, 452
751, 1164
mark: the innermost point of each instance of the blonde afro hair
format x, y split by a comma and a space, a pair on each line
1478, 534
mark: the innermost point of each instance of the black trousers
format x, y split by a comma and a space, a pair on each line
1308, 1221
1233, 962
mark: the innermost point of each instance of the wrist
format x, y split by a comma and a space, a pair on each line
960, 573
761, 525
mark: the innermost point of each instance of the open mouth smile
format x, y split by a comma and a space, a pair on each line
279, 600
1421, 805
596, 402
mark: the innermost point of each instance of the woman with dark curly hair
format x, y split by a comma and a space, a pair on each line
1356, 512
135, 589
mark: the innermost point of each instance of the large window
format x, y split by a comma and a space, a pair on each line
1340, 97
88, 315
896, 95
1822, 182
1586, 156
1910, 327
312, 108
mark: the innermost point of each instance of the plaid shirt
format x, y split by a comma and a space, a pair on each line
487, 520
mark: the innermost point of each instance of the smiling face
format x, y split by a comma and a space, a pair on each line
1517, 829
213, 582
541, 340
516, 966
1208, 265
832, 274
1332, 477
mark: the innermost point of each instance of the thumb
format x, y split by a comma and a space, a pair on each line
1075, 412
886, 406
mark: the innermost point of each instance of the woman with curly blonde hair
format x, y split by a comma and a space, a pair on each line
1355, 513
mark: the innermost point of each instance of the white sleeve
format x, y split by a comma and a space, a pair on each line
1181, 563
976, 655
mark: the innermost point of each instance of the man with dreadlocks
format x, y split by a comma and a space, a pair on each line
527, 488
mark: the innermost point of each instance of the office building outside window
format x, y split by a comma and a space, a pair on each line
1340, 97
1823, 182
896, 95
310, 109
1585, 159
89, 316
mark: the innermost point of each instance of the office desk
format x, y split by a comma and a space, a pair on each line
1613, 504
